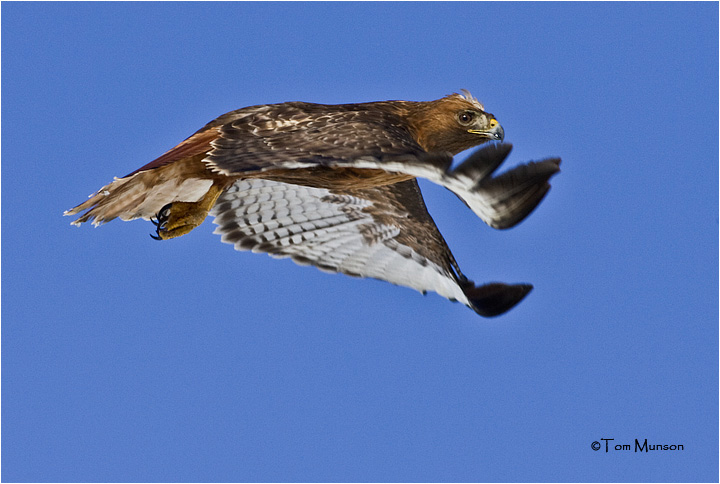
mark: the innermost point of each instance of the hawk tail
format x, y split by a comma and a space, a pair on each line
117, 199
140, 195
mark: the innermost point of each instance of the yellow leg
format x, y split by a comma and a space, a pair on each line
179, 218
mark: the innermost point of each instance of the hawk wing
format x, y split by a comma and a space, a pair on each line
253, 139
301, 135
293, 136
382, 232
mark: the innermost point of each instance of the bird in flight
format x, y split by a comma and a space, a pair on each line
335, 186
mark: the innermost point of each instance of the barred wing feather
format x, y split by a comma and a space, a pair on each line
381, 232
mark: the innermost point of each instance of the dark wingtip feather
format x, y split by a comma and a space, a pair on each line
484, 161
495, 298
516, 193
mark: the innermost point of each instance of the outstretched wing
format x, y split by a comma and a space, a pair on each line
382, 232
299, 135
361, 140
294, 136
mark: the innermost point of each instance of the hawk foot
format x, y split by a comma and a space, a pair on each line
177, 218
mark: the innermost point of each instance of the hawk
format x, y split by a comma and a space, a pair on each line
334, 186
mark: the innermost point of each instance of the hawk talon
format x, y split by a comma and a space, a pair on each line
164, 212
160, 221
178, 218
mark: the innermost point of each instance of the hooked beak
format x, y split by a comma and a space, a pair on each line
494, 133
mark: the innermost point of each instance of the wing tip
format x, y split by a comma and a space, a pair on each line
484, 161
520, 190
495, 298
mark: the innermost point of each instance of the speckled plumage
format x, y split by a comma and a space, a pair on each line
334, 186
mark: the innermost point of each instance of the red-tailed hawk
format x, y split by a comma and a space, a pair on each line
334, 186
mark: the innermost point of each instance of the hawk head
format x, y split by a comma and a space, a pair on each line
454, 123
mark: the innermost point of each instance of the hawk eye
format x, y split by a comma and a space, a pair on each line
466, 117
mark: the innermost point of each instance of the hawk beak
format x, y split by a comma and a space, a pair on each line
495, 132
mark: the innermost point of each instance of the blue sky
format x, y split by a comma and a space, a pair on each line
125, 359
